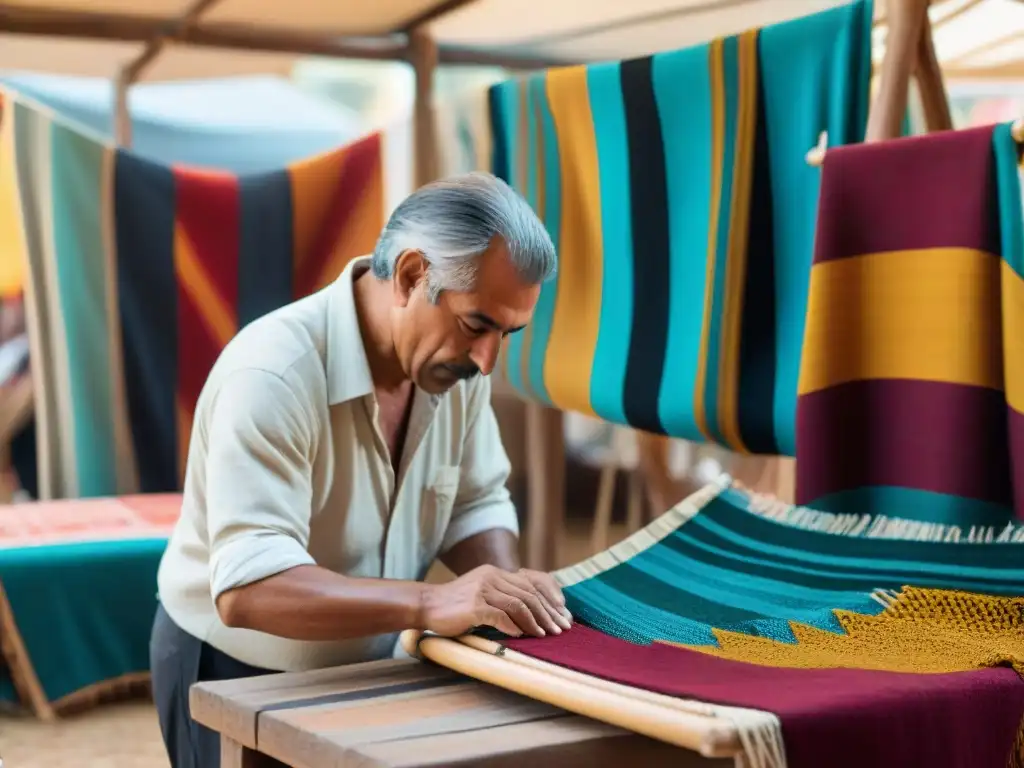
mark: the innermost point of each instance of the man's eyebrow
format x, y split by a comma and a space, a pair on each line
490, 322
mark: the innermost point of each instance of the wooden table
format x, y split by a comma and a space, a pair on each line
409, 714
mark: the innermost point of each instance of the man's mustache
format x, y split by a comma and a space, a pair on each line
461, 371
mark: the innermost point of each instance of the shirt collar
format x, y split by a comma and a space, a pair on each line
348, 370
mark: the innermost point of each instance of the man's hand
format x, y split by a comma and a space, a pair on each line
524, 602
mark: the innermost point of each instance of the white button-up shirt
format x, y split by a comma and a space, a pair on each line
287, 467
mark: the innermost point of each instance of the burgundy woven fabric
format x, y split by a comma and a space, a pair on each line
839, 718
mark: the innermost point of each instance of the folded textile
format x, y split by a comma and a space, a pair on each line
676, 191
912, 383
78, 595
854, 630
139, 273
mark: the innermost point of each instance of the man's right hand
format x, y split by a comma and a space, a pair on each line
512, 603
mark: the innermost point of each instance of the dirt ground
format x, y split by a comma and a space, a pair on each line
122, 735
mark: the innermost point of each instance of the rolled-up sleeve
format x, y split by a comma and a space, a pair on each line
258, 480
482, 502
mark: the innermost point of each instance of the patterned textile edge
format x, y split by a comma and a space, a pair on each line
646, 537
881, 526
769, 507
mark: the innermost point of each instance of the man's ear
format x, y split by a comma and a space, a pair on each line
410, 270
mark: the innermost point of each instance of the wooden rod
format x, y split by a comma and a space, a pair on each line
142, 29
906, 20
131, 71
134, 28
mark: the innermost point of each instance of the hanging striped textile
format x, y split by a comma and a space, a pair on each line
140, 273
912, 387
854, 639
676, 191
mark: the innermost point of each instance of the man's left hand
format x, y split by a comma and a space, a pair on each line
551, 593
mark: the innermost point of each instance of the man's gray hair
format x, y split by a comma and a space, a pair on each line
453, 221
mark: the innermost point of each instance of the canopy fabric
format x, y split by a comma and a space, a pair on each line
213, 123
974, 38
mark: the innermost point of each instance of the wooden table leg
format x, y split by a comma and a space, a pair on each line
234, 755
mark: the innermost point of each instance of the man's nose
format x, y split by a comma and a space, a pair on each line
484, 353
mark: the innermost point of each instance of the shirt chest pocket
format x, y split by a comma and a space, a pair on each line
438, 502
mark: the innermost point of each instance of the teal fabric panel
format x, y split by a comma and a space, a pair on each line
686, 131
608, 381
82, 265
544, 312
84, 611
816, 74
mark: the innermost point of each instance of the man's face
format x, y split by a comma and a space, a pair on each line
461, 335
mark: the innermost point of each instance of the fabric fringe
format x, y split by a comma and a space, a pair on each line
760, 735
874, 526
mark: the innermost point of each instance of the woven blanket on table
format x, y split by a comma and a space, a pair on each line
865, 640
140, 273
78, 594
676, 190
912, 385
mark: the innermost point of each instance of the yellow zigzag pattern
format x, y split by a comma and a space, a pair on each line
920, 631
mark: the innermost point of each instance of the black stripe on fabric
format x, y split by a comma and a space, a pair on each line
147, 297
366, 693
648, 190
757, 335
499, 143
266, 245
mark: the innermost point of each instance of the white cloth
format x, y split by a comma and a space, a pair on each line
287, 467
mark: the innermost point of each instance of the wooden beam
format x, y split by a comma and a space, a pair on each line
455, 55
142, 29
1012, 70
130, 72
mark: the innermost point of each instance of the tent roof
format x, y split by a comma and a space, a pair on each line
974, 38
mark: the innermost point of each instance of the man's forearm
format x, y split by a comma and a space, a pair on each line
498, 547
313, 603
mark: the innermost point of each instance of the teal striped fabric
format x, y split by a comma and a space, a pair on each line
723, 559
676, 190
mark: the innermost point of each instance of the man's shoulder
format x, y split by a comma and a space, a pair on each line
286, 344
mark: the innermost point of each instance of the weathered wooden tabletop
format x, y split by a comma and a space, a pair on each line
410, 714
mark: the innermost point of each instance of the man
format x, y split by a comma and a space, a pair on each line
342, 444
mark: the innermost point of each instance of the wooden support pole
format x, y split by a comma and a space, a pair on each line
423, 58
906, 19
545, 477
934, 101
908, 23
131, 71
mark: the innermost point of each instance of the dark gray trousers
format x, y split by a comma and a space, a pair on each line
177, 660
